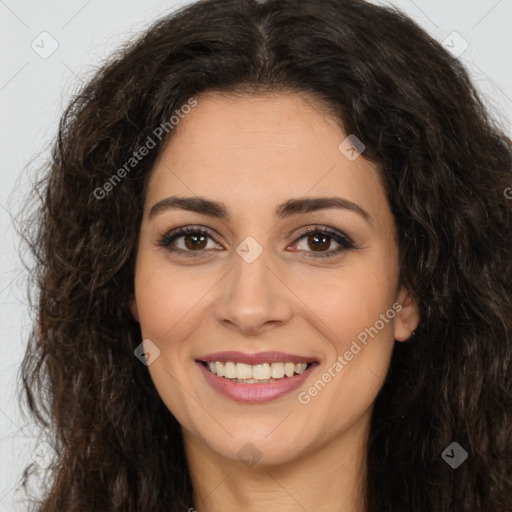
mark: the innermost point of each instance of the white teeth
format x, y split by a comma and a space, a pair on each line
300, 367
277, 370
243, 371
261, 371
265, 372
289, 369
220, 369
230, 370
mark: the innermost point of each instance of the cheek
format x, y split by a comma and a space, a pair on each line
352, 298
166, 298
356, 308
359, 313
165, 302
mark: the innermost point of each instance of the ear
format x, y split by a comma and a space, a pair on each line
408, 317
132, 303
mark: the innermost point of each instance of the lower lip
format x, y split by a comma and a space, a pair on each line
255, 393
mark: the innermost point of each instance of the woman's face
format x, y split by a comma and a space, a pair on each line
256, 287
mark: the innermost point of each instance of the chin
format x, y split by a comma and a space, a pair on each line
258, 452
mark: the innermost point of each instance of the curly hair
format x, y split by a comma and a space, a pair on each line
445, 163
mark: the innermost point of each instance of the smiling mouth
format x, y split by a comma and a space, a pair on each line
256, 374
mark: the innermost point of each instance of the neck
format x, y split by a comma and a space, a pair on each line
328, 478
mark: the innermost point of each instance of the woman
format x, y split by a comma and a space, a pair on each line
274, 271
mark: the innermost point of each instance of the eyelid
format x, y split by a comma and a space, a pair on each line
169, 236
325, 230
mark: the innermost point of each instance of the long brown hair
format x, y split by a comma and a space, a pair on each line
446, 166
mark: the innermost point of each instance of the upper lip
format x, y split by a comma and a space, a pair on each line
252, 359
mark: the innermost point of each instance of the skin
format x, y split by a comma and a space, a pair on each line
253, 153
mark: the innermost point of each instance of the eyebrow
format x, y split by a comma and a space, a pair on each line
219, 210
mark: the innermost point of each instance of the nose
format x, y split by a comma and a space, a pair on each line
253, 297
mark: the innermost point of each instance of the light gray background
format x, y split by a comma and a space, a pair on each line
34, 91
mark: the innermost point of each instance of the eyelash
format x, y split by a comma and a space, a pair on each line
344, 241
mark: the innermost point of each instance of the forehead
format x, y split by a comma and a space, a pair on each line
259, 150
245, 124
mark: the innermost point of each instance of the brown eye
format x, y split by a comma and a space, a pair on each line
318, 240
187, 241
195, 241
